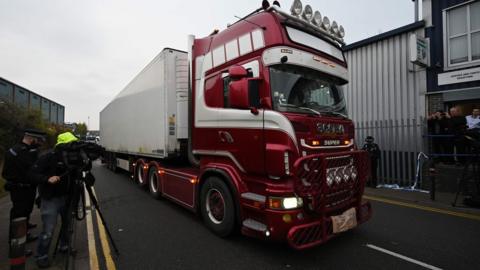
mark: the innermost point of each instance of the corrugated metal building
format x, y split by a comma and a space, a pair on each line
389, 97
386, 99
51, 111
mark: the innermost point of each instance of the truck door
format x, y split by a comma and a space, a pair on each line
240, 132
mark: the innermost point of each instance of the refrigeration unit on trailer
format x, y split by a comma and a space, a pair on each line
249, 129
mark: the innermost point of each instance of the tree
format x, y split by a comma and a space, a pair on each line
81, 130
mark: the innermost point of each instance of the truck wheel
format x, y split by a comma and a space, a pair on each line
114, 163
108, 160
217, 207
139, 175
154, 185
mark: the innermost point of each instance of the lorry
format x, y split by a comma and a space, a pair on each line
248, 128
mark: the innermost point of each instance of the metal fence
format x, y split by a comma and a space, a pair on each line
400, 142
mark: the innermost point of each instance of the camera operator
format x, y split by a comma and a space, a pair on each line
52, 173
18, 160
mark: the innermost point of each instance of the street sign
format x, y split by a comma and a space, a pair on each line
419, 50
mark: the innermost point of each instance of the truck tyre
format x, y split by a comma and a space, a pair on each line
114, 163
139, 175
108, 160
217, 207
154, 184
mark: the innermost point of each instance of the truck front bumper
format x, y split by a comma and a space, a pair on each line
300, 233
318, 232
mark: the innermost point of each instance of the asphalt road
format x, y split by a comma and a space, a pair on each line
158, 234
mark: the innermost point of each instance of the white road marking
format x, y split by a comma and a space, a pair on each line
428, 266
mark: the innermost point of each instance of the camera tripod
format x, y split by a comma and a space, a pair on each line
76, 210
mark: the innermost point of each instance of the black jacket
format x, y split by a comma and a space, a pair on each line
48, 165
18, 160
372, 149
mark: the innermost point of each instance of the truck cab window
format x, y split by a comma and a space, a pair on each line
226, 91
302, 90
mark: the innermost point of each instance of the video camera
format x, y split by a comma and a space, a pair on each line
78, 156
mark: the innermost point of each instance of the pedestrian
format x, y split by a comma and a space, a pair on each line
18, 160
437, 128
374, 154
51, 171
473, 121
458, 127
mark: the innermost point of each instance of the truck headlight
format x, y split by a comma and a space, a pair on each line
284, 203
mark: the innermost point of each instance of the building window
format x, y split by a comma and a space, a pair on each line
462, 35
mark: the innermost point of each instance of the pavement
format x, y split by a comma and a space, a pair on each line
155, 234
443, 200
79, 262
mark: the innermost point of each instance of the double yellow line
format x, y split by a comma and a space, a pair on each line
92, 249
425, 208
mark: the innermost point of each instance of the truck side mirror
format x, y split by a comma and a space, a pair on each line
237, 72
245, 94
238, 95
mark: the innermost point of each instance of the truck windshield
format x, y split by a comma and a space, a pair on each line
303, 90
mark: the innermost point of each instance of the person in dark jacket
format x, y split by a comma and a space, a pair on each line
51, 171
438, 124
374, 153
18, 160
458, 128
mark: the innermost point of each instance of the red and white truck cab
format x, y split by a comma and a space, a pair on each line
270, 146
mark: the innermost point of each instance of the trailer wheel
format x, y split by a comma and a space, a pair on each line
154, 185
139, 175
114, 163
108, 160
217, 207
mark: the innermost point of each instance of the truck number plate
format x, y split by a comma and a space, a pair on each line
345, 221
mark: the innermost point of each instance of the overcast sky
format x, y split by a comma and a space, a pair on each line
82, 53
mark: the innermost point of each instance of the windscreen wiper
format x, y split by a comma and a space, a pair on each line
298, 107
334, 113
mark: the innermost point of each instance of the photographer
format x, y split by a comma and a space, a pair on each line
52, 172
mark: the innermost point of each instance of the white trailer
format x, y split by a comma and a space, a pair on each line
160, 91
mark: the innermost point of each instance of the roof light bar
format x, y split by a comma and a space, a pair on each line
341, 32
326, 23
322, 23
334, 28
307, 13
296, 8
317, 18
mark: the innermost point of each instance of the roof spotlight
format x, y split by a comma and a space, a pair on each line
265, 4
276, 3
317, 18
307, 13
326, 23
334, 28
296, 8
341, 32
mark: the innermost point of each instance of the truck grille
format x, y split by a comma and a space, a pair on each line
332, 182
308, 235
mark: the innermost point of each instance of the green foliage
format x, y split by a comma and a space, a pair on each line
81, 130
14, 119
